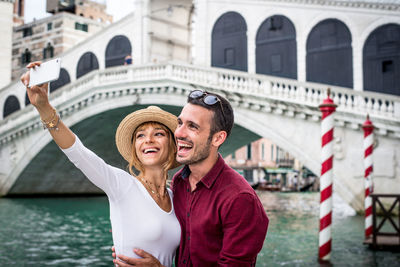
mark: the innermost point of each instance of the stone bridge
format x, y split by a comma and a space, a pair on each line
282, 110
94, 94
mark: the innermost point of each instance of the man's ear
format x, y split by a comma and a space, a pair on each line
219, 138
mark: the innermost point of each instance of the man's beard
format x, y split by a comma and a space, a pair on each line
197, 156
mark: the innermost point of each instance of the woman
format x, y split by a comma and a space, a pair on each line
141, 210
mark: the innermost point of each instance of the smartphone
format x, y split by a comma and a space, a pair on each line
46, 72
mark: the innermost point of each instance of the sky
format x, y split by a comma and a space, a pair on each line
117, 8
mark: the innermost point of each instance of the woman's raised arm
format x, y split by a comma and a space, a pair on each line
38, 96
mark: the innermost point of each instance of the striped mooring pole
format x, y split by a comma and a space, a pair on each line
368, 129
325, 212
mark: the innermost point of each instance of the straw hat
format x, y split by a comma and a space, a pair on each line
123, 136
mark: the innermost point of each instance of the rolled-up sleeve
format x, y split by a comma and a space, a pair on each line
245, 225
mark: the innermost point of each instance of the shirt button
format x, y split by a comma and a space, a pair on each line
188, 238
187, 189
188, 214
184, 261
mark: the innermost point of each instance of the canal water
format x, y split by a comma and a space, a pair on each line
76, 232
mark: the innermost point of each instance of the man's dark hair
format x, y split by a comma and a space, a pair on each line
223, 113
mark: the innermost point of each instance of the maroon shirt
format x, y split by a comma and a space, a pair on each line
223, 221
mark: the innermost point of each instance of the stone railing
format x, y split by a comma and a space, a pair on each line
367, 4
125, 80
305, 93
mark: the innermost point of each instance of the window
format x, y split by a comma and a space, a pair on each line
81, 26
249, 151
27, 32
262, 152
49, 26
272, 152
20, 9
278, 153
26, 56
48, 52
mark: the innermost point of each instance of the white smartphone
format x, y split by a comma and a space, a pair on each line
46, 72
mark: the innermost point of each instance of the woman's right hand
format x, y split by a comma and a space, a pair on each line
39, 98
37, 94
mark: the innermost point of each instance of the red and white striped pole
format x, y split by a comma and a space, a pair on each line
368, 128
325, 213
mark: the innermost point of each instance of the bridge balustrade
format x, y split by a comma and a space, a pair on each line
235, 83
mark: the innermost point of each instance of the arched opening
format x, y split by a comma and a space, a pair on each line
11, 105
117, 49
229, 42
329, 54
381, 60
86, 64
62, 80
276, 48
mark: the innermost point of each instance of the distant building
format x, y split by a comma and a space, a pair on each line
48, 37
263, 160
84, 8
18, 16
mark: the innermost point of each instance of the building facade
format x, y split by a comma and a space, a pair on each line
6, 24
351, 44
49, 37
84, 8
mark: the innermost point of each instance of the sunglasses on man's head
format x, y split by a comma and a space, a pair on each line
207, 98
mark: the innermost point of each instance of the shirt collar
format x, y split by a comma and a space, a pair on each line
209, 179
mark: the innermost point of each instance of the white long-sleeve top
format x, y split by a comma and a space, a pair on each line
136, 219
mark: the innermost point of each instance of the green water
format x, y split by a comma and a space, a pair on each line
76, 232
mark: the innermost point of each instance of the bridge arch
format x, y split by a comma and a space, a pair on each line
229, 42
117, 49
96, 130
62, 80
329, 56
276, 48
95, 125
11, 105
87, 62
381, 60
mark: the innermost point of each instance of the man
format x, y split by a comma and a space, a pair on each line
223, 222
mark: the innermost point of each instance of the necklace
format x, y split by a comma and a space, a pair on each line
147, 185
